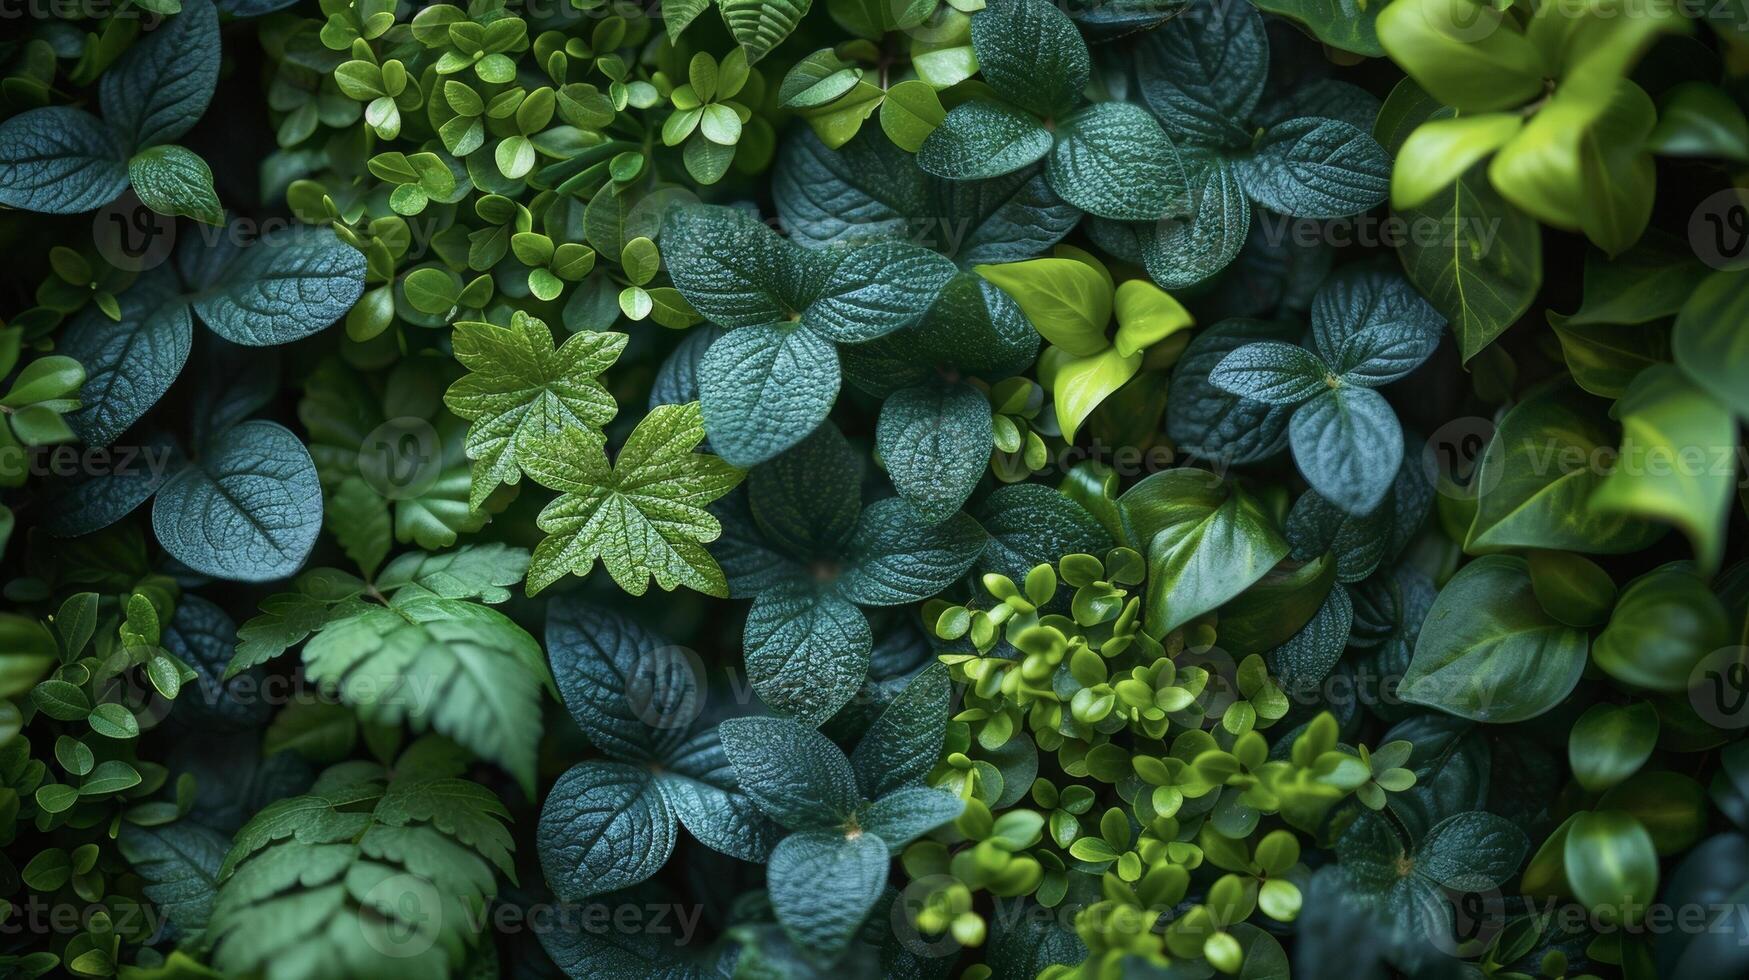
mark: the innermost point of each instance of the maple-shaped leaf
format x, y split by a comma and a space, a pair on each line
520, 388
644, 516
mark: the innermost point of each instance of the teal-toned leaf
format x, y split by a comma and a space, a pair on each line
823, 884
161, 86
1316, 168
936, 442
247, 511
764, 389
1030, 52
278, 290
904, 742
60, 160
904, 815
806, 501
130, 364
897, 556
604, 826
792, 772
1348, 445
1113, 160
1272, 373
1210, 423
807, 651
1202, 73
632, 693
982, 139
701, 785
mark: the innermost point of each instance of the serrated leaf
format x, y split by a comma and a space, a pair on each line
643, 516
760, 25
519, 389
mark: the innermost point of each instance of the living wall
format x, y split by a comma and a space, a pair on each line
878, 488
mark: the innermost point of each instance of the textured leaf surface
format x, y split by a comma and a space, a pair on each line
790, 771
60, 160
605, 826
807, 651
161, 86
643, 516
936, 441
248, 511
763, 389
519, 388
278, 290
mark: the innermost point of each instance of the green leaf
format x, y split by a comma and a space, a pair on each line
1571, 588
172, 180
604, 826
733, 269
1350, 27
1537, 477
129, 364
1486, 267
1206, 542
1113, 160
278, 290
1458, 51
1348, 444
807, 651
793, 773
421, 854
1202, 73
764, 389
1705, 343
1698, 119
520, 389
760, 25
1068, 301
1665, 622
248, 511
60, 160
158, 90
643, 516
1611, 865
1030, 52
114, 721
1487, 650
478, 673
1080, 384
1315, 168
817, 79
981, 139
910, 112
1676, 460
476, 571
1579, 162
823, 884
1611, 742
936, 442
896, 556
360, 523
1029, 524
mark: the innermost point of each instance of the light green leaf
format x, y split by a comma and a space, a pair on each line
643, 516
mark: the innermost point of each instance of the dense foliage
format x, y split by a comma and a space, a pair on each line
983, 488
